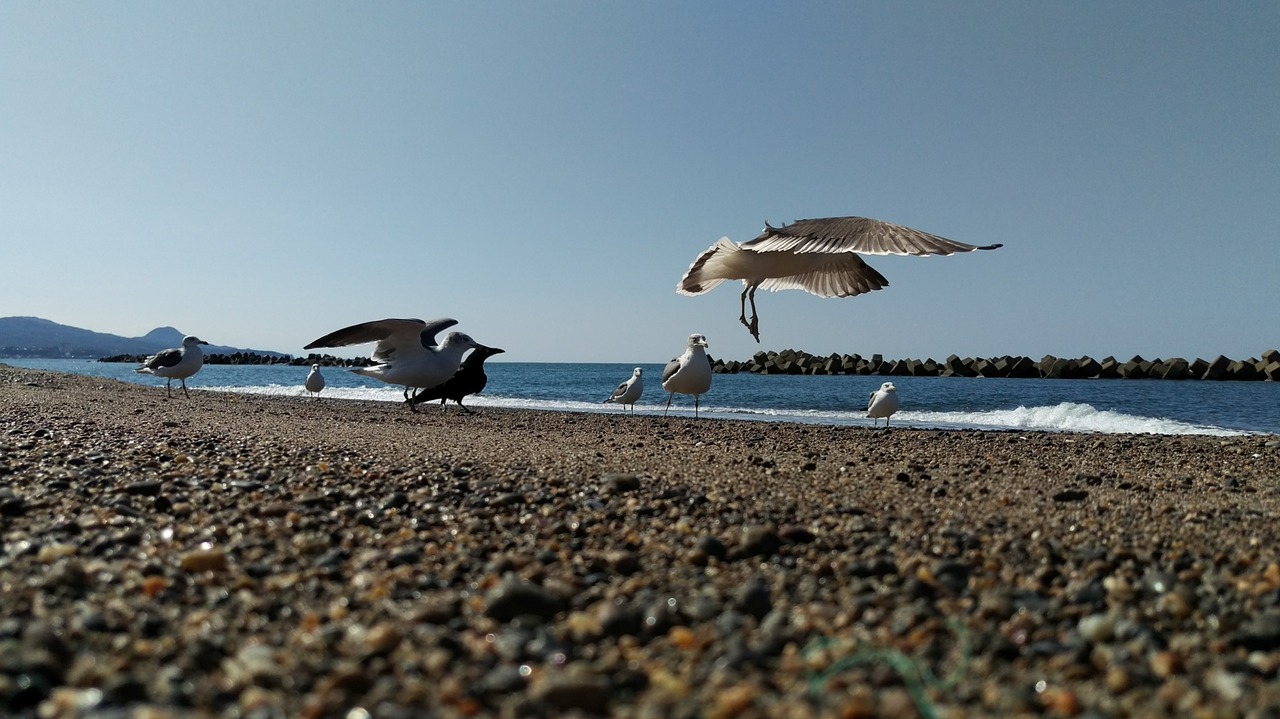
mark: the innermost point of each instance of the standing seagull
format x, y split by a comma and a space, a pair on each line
690, 373
628, 392
178, 363
469, 379
315, 380
817, 256
883, 403
406, 353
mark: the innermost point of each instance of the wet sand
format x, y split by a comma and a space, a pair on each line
234, 555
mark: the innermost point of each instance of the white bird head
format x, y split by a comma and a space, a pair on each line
315, 368
192, 340
458, 339
888, 387
697, 340
637, 372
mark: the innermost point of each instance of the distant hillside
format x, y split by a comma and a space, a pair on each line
36, 337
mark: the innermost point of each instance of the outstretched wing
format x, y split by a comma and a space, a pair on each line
844, 275
855, 234
392, 335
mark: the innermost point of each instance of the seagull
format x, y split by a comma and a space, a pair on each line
628, 392
406, 352
177, 363
690, 373
469, 379
883, 403
818, 256
315, 380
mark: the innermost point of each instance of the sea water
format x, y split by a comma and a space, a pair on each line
1109, 406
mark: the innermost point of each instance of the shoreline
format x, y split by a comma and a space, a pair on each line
305, 557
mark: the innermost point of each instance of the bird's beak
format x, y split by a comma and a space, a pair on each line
705, 344
494, 350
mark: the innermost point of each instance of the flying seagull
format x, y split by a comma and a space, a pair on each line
883, 403
406, 352
819, 256
690, 373
469, 379
628, 392
315, 381
177, 363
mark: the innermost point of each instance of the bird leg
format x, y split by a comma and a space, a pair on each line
754, 325
184, 388
695, 406
742, 304
668, 409
464, 407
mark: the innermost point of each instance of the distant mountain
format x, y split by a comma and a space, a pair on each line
36, 337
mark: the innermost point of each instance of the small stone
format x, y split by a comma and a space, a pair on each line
616, 483
1097, 627
754, 598
514, 597
795, 534
145, 488
585, 692
756, 541
382, 638
211, 559
713, 547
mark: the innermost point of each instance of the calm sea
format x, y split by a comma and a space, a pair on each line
1113, 406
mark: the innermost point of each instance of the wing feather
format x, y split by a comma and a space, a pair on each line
392, 336
856, 234
672, 367
845, 275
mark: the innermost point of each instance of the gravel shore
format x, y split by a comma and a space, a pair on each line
248, 556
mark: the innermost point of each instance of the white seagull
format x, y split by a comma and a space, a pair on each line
177, 363
690, 373
818, 256
315, 381
883, 403
628, 392
406, 352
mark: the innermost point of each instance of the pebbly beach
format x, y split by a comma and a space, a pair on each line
235, 555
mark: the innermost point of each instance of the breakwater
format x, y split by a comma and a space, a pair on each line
1048, 367
253, 358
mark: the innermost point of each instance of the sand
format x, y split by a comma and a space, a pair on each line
236, 555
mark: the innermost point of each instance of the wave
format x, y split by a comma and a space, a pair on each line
1063, 417
1068, 417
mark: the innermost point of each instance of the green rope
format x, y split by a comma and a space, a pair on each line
916, 677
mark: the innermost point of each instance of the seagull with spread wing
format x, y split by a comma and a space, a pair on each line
406, 352
818, 256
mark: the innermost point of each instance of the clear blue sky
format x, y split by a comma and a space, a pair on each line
259, 174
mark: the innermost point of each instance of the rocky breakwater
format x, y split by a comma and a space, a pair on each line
254, 358
1048, 367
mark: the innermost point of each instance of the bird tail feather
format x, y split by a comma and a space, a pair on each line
701, 277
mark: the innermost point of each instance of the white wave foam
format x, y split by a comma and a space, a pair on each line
1064, 417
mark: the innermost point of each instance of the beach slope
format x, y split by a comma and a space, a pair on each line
235, 555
